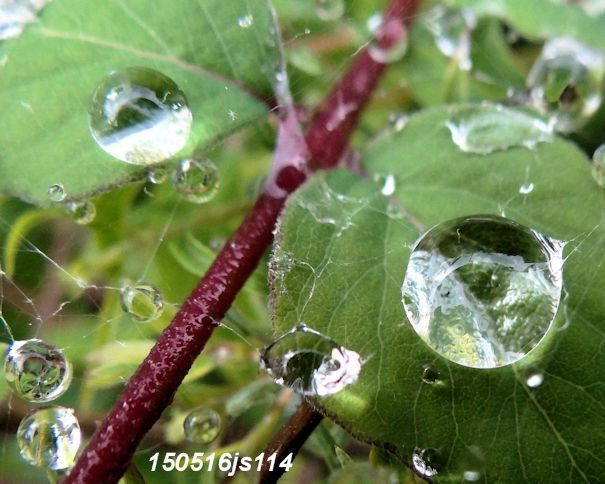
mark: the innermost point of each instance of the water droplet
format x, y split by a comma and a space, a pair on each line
311, 363
82, 212
387, 183
488, 128
389, 41
526, 188
471, 476
430, 374
56, 193
37, 371
424, 462
139, 116
49, 438
398, 121
452, 30
534, 380
483, 290
329, 10
196, 180
202, 425
598, 165
142, 301
157, 176
245, 21
566, 82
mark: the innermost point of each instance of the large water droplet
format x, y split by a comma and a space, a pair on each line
311, 363
37, 371
196, 180
566, 82
329, 10
598, 165
139, 116
49, 438
83, 212
483, 291
382, 47
487, 128
452, 30
56, 193
424, 462
142, 301
202, 425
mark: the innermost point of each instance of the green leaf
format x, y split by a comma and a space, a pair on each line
338, 266
52, 69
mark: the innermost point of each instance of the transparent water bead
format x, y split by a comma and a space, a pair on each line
380, 30
143, 301
196, 180
56, 193
452, 31
483, 290
202, 425
329, 10
49, 438
245, 21
534, 380
486, 128
37, 371
139, 116
598, 165
310, 363
424, 462
566, 82
83, 212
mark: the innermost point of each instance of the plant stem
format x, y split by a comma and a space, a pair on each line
151, 388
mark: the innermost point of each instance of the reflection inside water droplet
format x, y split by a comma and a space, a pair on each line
37, 371
483, 291
142, 301
202, 425
139, 116
310, 363
196, 180
49, 438
424, 462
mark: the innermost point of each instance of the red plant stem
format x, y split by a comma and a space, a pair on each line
151, 388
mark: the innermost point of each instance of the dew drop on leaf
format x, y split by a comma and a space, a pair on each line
56, 193
430, 375
310, 363
471, 476
387, 183
452, 29
598, 165
37, 371
488, 128
142, 301
482, 291
381, 32
139, 116
82, 212
424, 462
202, 425
534, 380
566, 82
196, 180
526, 188
245, 21
49, 438
329, 10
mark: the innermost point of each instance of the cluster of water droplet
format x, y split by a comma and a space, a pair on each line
311, 363
483, 291
202, 425
566, 82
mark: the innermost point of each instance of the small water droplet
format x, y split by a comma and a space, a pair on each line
139, 116
142, 301
452, 30
526, 188
202, 425
430, 374
424, 462
598, 165
197, 180
488, 128
389, 41
566, 82
56, 193
329, 10
398, 121
49, 438
472, 476
483, 290
83, 212
534, 380
387, 183
245, 21
37, 371
157, 176
310, 363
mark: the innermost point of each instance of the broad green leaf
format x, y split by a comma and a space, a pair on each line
338, 266
51, 70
